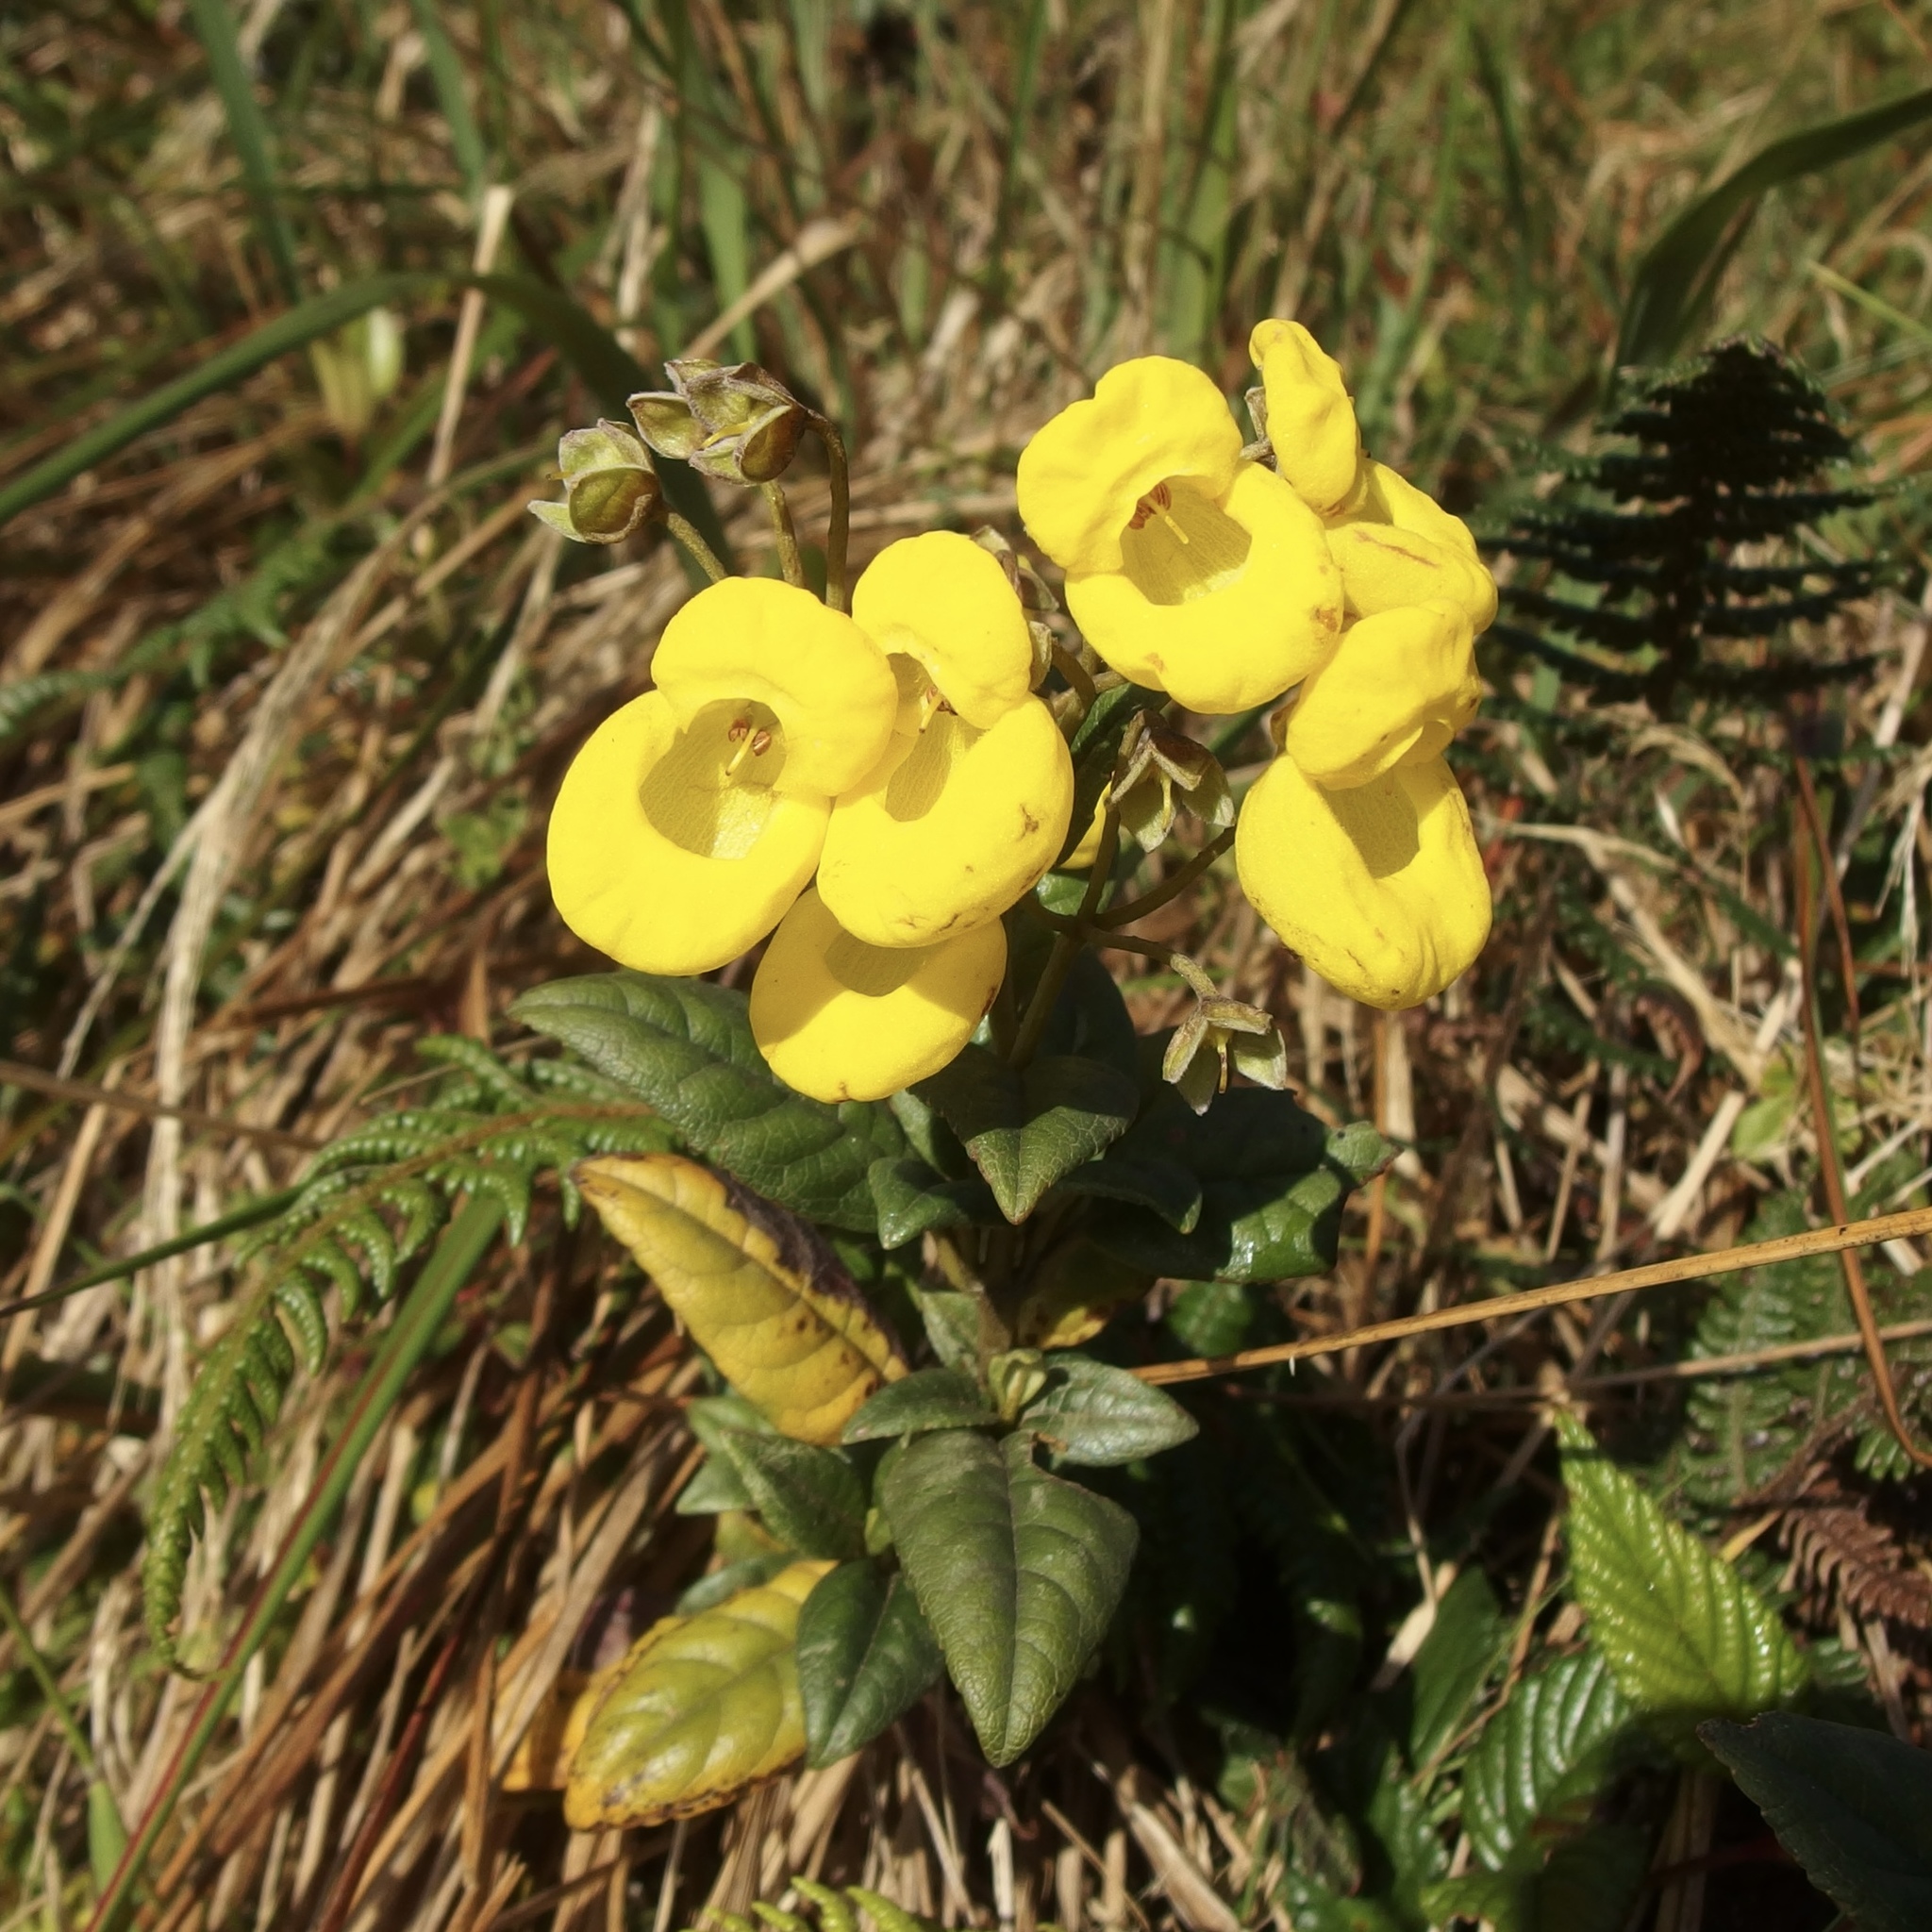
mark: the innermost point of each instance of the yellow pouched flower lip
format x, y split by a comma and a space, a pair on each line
1227, 643
838, 1020
1395, 546
1311, 422
662, 858
953, 827
1381, 887
1151, 421
694, 816
1399, 687
944, 602
754, 641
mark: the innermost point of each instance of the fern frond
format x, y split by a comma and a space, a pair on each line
369, 1203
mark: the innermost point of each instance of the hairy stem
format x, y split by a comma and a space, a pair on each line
1066, 944
838, 527
786, 536
1172, 887
694, 546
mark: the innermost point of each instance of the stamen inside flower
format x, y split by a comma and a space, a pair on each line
873, 971
1180, 544
711, 793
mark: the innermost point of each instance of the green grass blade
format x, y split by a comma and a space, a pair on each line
446, 72
1873, 305
1675, 279
608, 370
215, 26
251, 1214
295, 329
1026, 85
416, 1326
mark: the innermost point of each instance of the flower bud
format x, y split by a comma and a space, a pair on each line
1218, 1031
1013, 1380
737, 422
609, 487
1158, 760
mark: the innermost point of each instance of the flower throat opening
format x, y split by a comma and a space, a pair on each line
712, 791
872, 971
1178, 546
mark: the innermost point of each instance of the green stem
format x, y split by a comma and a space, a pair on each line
838, 528
1078, 676
1172, 887
785, 534
266, 1208
694, 546
416, 1326
50, 1685
1126, 942
1066, 944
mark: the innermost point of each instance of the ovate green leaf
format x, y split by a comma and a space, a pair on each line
1018, 1572
1025, 1131
685, 1046
1450, 1668
913, 1200
764, 1295
810, 1498
1092, 1413
1589, 1883
1853, 1807
932, 1399
1273, 1183
865, 1655
702, 1707
1543, 1757
1684, 1636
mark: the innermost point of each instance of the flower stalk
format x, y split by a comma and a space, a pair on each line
839, 527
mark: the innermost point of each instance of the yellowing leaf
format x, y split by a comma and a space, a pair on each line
702, 1708
541, 1761
759, 1289
1073, 1293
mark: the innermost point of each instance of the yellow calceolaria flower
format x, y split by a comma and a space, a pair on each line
1381, 887
969, 805
1356, 845
1311, 425
694, 815
841, 1020
1188, 568
1393, 545
1402, 684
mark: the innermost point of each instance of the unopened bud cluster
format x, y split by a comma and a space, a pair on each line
737, 423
